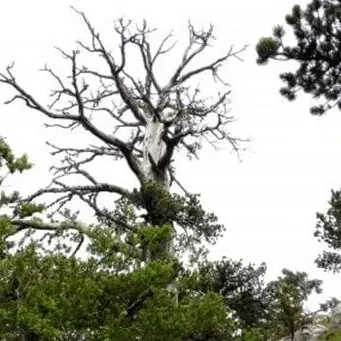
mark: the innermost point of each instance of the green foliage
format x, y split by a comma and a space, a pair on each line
240, 285
6, 199
334, 335
27, 209
12, 163
123, 287
317, 49
54, 296
114, 292
329, 305
266, 48
286, 297
194, 226
254, 334
328, 231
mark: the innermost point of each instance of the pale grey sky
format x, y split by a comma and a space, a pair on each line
269, 200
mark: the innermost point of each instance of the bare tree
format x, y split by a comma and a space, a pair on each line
150, 121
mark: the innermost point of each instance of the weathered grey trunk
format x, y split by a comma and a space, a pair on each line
153, 151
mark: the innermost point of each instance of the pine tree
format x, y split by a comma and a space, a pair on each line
316, 48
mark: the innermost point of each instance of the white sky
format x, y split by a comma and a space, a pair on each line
269, 200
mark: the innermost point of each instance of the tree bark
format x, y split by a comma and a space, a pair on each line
154, 149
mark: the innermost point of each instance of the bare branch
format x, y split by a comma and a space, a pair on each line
29, 100
98, 188
21, 225
114, 69
79, 245
80, 118
103, 215
213, 67
147, 121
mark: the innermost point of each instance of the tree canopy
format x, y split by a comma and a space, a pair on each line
49, 293
148, 123
125, 276
328, 231
316, 49
286, 297
140, 271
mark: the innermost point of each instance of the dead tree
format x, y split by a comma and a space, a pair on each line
150, 121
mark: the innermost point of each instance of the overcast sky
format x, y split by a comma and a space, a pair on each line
268, 201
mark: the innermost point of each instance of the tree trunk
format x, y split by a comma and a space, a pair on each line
154, 150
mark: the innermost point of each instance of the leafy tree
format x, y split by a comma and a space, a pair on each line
286, 297
59, 297
10, 164
51, 294
328, 231
149, 121
242, 287
131, 284
281, 303
262, 311
317, 49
